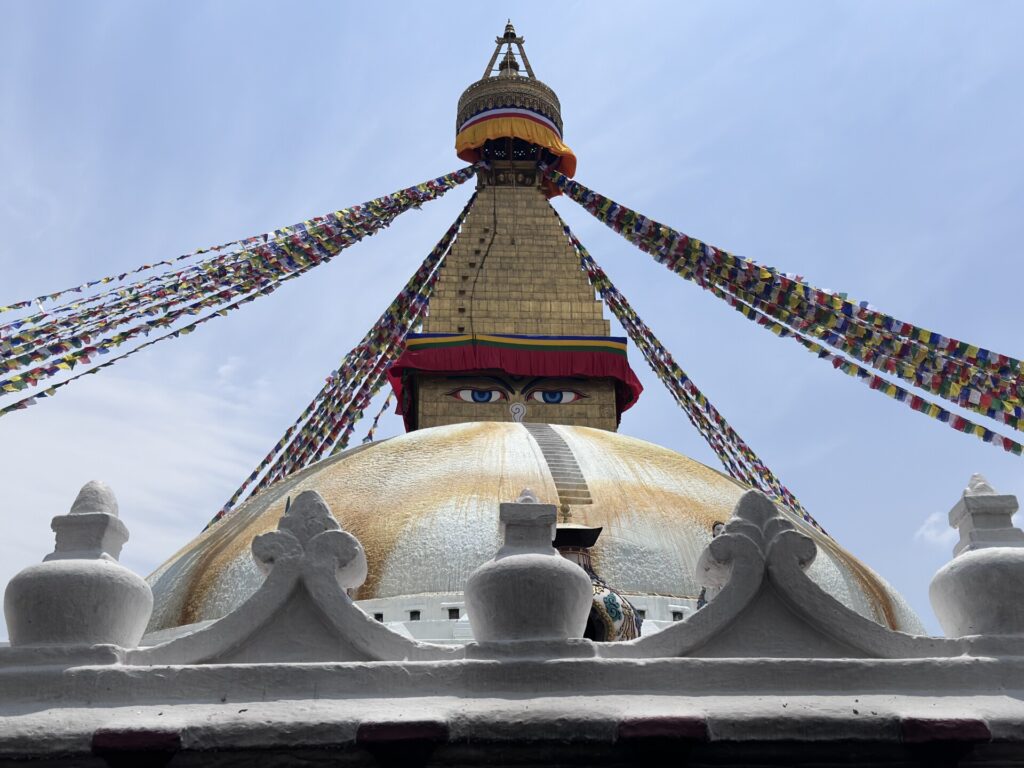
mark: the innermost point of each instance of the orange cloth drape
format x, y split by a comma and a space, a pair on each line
470, 139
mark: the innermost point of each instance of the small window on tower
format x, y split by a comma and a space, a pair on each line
462, 329
462, 310
641, 613
378, 616
476, 252
453, 614
677, 615
472, 265
414, 615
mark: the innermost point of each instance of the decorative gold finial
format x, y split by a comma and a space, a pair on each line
508, 67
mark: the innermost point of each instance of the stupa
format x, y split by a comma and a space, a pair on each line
470, 592
513, 383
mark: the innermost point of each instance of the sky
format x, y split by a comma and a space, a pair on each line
872, 147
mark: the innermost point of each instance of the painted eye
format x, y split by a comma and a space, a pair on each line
555, 396
478, 395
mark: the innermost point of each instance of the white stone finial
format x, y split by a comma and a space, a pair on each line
95, 497
981, 590
526, 496
92, 528
80, 594
979, 486
984, 518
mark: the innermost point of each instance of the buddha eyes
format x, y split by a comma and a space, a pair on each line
546, 396
555, 396
479, 395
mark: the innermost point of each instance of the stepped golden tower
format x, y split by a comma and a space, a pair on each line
514, 331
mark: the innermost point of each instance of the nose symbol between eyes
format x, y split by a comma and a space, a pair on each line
518, 411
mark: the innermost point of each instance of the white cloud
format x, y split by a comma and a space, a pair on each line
227, 370
936, 532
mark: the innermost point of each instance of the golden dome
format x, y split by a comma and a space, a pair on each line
425, 507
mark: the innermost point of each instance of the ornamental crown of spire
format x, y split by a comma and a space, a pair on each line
508, 66
508, 83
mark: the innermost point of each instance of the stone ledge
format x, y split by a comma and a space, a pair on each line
61, 656
709, 725
34, 688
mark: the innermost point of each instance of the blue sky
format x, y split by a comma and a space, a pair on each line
873, 147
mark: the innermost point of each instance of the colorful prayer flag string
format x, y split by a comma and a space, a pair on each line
276, 234
376, 419
383, 342
57, 343
326, 424
280, 251
738, 458
977, 379
874, 381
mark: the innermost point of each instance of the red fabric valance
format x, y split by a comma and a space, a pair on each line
556, 356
